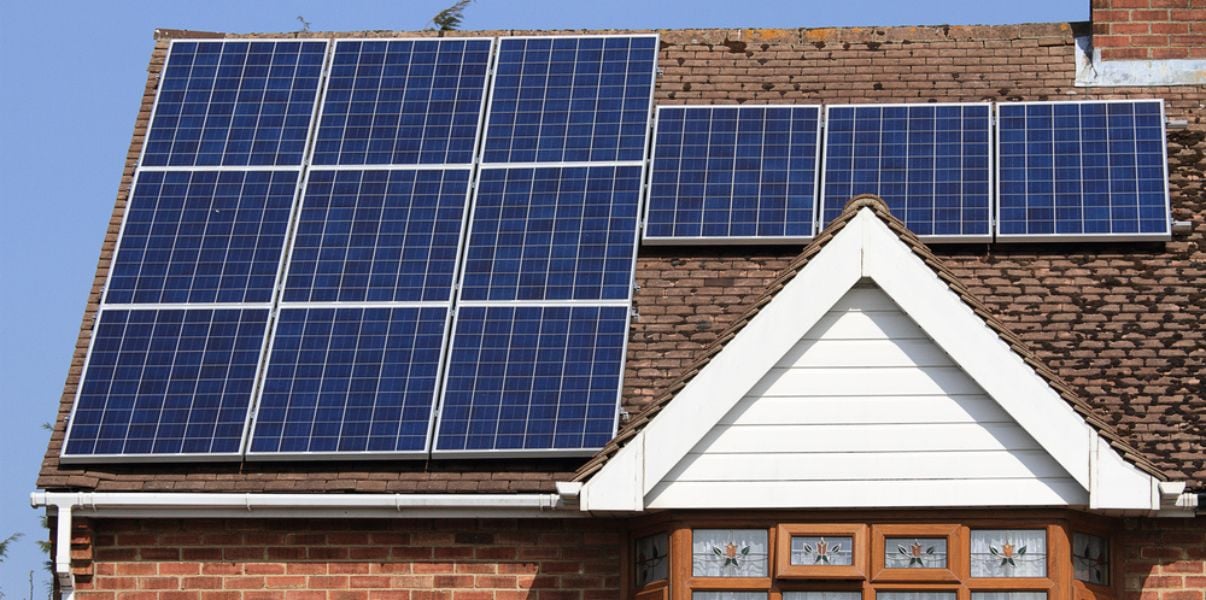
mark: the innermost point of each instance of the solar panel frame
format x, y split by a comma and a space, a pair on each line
485, 122
66, 458
1164, 235
731, 240
478, 142
307, 144
933, 239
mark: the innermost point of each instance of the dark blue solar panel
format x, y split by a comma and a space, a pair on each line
164, 382
378, 236
553, 234
1083, 169
235, 103
533, 378
202, 236
930, 163
733, 172
403, 102
350, 380
571, 99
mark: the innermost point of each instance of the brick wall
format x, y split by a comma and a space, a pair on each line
251, 559
1149, 29
1163, 559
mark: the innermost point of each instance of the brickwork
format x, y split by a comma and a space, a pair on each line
1149, 29
1163, 559
253, 559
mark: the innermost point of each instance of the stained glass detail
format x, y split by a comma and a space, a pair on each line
1091, 558
698, 595
729, 553
914, 553
1009, 595
938, 595
652, 558
1009, 553
822, 595
822, 550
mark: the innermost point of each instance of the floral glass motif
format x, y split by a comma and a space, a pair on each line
1009, 595
822, 550
1091, 558
1009, 553
937, 595
914, 553
651, 554
728, 595
822, 595
729, 553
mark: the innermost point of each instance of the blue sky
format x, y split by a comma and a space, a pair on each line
71, 77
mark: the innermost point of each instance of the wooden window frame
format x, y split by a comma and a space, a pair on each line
857, 533
881, 573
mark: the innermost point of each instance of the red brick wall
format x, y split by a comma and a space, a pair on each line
253, 559
1149, 29
1162, 559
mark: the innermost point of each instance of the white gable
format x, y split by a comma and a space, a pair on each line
1036, 450
865, 407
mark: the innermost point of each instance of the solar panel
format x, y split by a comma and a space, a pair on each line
1084, 170
930, 162
533, 378
202, 236
167, 382
235, 103
378, 236
403, 102
554, 233
350, 379
733, 173
571, 99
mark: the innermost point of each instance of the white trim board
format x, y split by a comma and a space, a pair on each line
866, 249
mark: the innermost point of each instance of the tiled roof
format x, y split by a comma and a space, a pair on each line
1082, 408
1120, 324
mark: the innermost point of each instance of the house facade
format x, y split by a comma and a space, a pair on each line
867, 412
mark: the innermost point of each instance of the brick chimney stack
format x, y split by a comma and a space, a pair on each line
1149, 29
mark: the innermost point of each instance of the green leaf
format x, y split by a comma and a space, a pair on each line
1021, 550
901, 549
717, 551
745, 551
929, 550
993, 551
450, 18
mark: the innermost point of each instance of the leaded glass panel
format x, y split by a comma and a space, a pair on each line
652, 562
822, 595
822, 550
914, 553
1091, 558
941, 595
1009, 553
729, 553
1009, 595
728, 595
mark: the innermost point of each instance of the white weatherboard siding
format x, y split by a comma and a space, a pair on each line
865, 409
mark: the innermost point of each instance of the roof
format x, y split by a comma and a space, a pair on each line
1104, 429
1117, 324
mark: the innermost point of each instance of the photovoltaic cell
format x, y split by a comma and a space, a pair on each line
350, 379
202, 236
378, 236
553, 234
235, 103
734, 172
533, 378
930, 162
1083, 169
167, 382
571, 99
403, 102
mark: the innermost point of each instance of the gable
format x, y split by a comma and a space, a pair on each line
865, 406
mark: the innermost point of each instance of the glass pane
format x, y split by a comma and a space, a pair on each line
819, 595
1009, 595
914, 553
728, 595
821, 550
915, 596
1009, 553
651, 561
1091, 558
728, 553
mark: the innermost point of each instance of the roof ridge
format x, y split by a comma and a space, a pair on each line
880, 209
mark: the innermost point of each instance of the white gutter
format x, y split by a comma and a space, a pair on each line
65, 505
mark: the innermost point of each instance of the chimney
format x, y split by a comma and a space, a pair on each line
1149, 29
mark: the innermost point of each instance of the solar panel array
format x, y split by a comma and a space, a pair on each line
306, 310
1090, 170
931, 163
740, 173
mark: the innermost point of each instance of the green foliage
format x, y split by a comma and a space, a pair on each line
5, 542
450, 18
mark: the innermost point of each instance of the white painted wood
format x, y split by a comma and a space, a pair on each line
1118, 485
847, 466
857, 325
866, 381
869, 494
883, 353
619, 486
867, 409
865, 438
